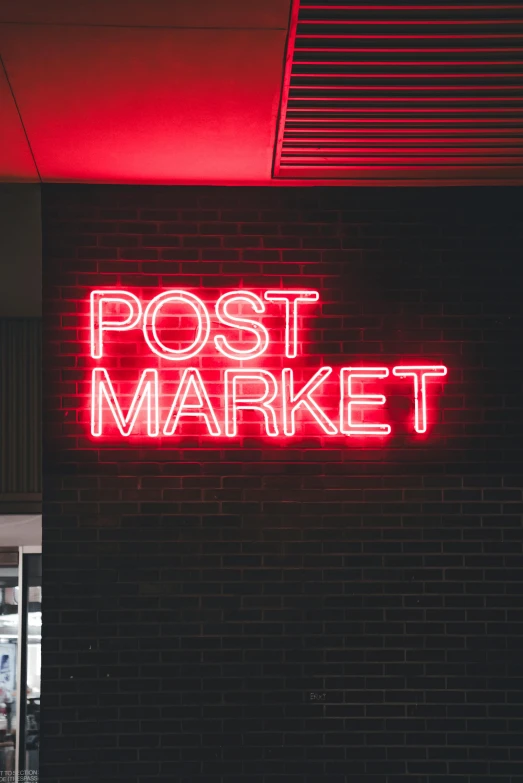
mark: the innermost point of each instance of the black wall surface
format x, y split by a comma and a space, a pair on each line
20, 251
320, 610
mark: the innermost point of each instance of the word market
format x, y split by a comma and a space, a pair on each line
274, 396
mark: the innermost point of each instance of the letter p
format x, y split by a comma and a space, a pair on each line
112, 310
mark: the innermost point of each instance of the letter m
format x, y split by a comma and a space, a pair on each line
146, 394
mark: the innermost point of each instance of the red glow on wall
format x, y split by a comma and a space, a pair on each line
202, 328
351, 399
100, 322
191, 382
146, 392
213, 390
247, 324
236, 399
292, 401
292, 300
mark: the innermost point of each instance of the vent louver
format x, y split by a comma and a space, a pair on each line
394, 91
20, 407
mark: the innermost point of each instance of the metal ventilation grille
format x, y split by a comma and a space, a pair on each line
20, 416
377, 91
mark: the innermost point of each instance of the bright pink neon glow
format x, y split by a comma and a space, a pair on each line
240, 322
419, 373
191, 382
347, 425
292, 299
291, 401
149, 324
234, 401
147, 390
100, 324
115, 310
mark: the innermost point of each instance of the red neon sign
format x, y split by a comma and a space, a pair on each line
191, 381
278, 399
420, 374
349, 399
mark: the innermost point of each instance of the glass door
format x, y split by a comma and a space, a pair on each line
31, 666
9, 662
28, 744
20, 664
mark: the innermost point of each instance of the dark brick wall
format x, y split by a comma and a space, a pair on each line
197, 593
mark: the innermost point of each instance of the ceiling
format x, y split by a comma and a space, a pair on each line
207, 92
163, 91
424, 91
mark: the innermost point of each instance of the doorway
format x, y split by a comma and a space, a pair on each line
20, 649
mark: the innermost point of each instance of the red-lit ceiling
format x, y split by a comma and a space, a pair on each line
430, 90
159, 91
189, 91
